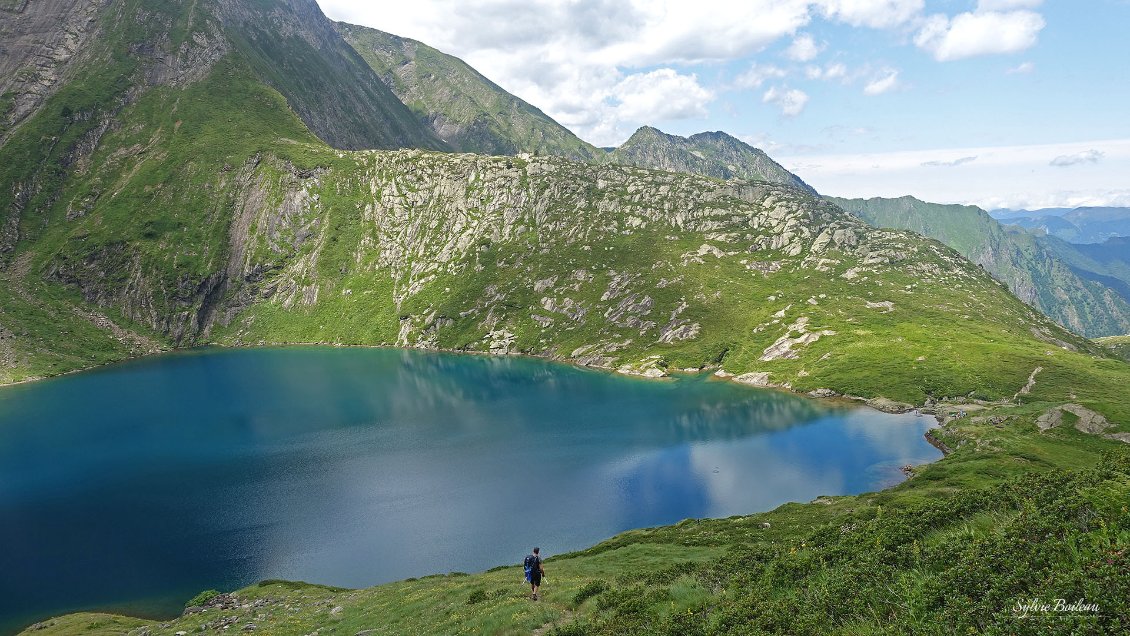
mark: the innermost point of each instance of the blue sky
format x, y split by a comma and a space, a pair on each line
1000, 103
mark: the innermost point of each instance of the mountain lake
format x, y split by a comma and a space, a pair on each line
133, 487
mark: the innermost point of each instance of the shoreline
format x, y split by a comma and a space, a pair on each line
879, 403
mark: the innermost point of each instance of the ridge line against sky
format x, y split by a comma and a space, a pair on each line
954, 101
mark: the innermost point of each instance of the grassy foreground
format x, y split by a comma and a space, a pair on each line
1010, 519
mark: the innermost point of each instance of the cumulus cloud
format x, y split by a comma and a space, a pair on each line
803, 49
574, 58
1087, 156
790, 101
949, 164
661, 95
979, 33
1023, 67
882, 84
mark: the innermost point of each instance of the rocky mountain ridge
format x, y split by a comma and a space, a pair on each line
710, 154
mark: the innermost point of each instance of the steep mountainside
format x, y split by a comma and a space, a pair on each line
41, 41
1107, 262
289, 44
1033, 272
710, 154
293, 47
465, 109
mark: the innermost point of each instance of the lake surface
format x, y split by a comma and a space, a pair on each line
134, 487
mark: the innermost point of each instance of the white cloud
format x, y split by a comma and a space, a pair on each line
877, 14
661, 95
803, 49
1023, 67
790, 101
981, 33
1087, 156
571, 58
882, 84
1000, 177
758, 74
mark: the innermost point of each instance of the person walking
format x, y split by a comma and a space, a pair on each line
534, 572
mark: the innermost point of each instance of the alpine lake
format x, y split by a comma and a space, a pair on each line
133, 487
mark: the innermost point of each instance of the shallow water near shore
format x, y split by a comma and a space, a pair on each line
135, 486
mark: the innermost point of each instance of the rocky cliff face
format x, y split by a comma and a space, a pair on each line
465, 109
710, 154
39, 43
1036, 274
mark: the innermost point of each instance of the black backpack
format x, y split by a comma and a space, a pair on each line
530, 564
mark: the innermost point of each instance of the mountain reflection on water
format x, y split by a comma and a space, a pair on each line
136, 486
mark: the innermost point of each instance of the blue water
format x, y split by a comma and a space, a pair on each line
133, 487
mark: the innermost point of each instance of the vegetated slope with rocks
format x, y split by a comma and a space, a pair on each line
465, 109
1120, 345
1036, 274
710, 154
204, 211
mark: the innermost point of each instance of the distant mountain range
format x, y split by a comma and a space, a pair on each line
1074, 225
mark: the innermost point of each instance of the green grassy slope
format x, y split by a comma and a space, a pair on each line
1038, 275
470, 112
710, 154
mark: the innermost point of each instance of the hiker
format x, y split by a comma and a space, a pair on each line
534, 572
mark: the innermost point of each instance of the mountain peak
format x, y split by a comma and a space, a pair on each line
712, 154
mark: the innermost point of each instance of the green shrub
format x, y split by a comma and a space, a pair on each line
202, 598
590, 589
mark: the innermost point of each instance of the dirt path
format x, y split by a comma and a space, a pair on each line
567, 617
1027, 388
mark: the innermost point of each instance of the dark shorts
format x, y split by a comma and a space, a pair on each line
535, 577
